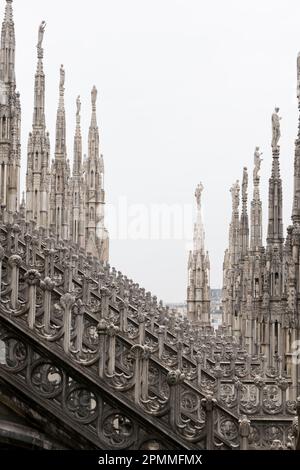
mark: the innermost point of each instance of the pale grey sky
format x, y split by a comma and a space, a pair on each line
186, 91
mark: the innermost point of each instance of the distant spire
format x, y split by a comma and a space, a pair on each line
77, 142
60, 148
8, 45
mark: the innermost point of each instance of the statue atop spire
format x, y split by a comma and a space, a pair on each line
245, 184
40, 39
257, 163
275, 129
94, 97
62, 80
235, 194
198, 194
78, 105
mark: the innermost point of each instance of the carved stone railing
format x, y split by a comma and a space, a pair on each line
115, 335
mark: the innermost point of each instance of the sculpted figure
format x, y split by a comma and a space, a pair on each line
235, 192
257, 163
62, 77
41, 35
245, 182
78, 104
94, 96
275, 128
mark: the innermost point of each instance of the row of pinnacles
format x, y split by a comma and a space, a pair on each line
70, 205
261, 284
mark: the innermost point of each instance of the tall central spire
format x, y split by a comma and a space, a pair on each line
8, 46
60, 148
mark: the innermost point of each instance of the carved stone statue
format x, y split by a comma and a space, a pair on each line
62, 78
41, 35
198, 194
245, 183
235, 192
94, 96
78, 104
275, 128
257, 163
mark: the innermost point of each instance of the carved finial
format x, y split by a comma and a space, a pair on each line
94, 96
275, 129
40, 50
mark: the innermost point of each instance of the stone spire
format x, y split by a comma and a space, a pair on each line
234, 247
60, 198
77, 165
60, 147
8, 46
244, 222
96, 234
275, 225
199, 235
38, 156
198, 292
10, 117
77, 209
94, 131
256, 205
296, 199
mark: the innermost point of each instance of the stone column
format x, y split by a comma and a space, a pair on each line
32, 278
67, 301
47, 285
209, 403
244, 431
15, 262
102, 331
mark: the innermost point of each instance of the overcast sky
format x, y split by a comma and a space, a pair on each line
186, 91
